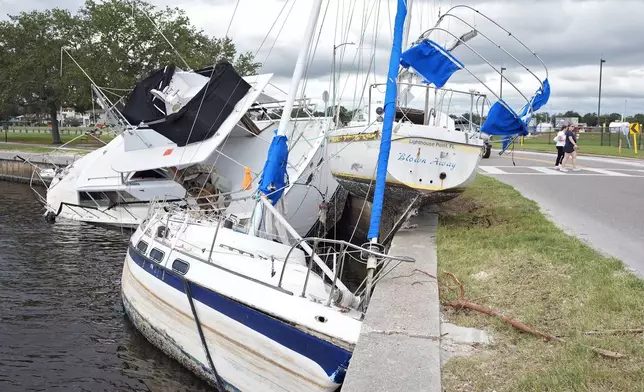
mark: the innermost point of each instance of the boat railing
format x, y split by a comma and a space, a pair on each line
320, 251
337, 251
438, 101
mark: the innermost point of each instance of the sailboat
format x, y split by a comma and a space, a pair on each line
433, 157
241, 308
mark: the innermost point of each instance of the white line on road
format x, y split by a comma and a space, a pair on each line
608, 172
547, 170
492, 170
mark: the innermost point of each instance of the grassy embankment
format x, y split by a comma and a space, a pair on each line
42, 137
512, 258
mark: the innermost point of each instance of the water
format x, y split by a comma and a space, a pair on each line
62, 325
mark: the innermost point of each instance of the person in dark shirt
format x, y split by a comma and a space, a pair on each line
570, 149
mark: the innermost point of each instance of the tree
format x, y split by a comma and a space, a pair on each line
344, 116
113, 41
31, 73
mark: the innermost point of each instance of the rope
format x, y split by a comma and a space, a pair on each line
220, 383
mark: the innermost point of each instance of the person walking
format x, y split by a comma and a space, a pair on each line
570, 149
560, 142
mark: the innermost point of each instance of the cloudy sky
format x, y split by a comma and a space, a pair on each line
571, 36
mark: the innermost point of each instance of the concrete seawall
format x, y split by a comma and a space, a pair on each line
14, 168
399, 346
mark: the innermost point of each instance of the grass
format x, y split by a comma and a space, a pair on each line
7, 147
546, 279
589, 143
44, 137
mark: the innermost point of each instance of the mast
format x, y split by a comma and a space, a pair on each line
385, 141
405, 41
299, 67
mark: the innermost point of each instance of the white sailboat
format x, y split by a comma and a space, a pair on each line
432, 158
242, 308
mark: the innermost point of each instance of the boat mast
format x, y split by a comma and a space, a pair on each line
299, 67
385, 141
405, 41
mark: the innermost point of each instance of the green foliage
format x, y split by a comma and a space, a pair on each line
112, 40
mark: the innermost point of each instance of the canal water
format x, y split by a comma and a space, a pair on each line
62, 325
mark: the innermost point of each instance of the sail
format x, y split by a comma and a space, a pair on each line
502, 120
388, 122
159, 101
274, 178
431, 61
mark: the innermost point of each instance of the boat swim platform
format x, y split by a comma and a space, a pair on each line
399, 345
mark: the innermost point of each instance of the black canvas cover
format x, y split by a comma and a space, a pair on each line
220, 95
139, 106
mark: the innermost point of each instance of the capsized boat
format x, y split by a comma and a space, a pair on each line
161, 135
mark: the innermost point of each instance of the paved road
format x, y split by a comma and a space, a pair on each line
602, 204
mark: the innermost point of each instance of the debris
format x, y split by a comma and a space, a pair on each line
461, 303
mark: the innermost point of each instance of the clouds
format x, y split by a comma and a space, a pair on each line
570, 36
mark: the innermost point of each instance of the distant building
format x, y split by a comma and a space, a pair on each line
563, 121
68, 116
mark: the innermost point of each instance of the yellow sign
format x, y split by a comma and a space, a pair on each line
634, 128
355, 137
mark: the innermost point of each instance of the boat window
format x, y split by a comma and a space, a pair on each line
142, 246
104, 198
149, 175
180, 266
156, 255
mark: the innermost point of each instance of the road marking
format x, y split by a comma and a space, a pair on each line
492, 170
535, 160
608, 172
547, 170
541, 171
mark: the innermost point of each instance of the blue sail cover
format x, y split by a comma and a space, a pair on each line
539, 99
503, 121
431, 61
274, 176
388, 122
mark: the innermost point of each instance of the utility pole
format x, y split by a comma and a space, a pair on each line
501, 87
599, 101
333, 103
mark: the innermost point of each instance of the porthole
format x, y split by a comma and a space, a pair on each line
142, 246
156, 255
180, 266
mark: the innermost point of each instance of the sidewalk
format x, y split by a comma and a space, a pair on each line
399, 346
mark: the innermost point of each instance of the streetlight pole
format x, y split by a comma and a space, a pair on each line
501, 87
599, 101
333, 104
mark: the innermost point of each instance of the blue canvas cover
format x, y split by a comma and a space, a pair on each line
503, 121
539, 99
431, 61
274, 176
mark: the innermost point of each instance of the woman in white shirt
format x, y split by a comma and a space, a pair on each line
560, 141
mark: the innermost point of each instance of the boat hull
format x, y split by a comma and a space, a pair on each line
417, 164
423, 170
248, 347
